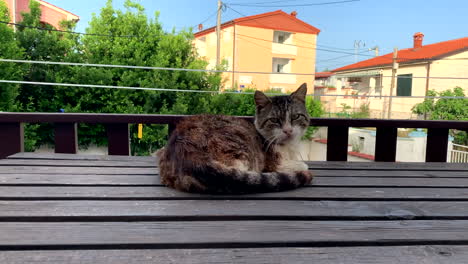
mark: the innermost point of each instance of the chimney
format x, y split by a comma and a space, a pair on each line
294, 13
418, 40
200, 27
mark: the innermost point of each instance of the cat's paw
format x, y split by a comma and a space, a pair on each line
304, 177
289, 166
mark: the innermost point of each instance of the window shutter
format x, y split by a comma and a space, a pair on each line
404, 84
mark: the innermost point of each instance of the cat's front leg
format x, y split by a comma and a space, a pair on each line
291, 166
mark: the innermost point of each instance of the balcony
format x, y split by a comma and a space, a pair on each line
281, 78
283, 49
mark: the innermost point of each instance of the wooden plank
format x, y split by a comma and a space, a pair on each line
118, 136
63, 156
337, 149
385, 144
77, 163
389, 173
228, 210
154, 179
398, 166
66, 138
163, 193
436, 147
441, 254
76, 170
226, 234
11, 139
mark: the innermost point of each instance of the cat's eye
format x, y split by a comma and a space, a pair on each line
295, 117
274, 120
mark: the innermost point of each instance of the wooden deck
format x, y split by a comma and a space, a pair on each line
64, 208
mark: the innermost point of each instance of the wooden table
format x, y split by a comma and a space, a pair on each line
59, 208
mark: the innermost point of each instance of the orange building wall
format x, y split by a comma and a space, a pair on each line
250, 49
50, 14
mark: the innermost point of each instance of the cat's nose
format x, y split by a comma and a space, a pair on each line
288, 131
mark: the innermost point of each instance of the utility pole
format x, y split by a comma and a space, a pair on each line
376, 50
218, 34
357, 46
392, 85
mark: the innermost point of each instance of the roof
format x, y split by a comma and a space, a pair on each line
277, 20
65, 11
323, 74
426, 52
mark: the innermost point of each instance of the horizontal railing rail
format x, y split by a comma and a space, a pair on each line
117, 127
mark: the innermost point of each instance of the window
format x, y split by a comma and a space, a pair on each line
404, 84
281, 65
282, 37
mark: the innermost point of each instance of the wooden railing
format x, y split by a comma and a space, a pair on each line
117, 126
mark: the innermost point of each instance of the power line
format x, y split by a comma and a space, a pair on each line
67, 31
212, 91
343, 52
201, 70
268, 2
208, 18
340, 57
297, 5
144, 67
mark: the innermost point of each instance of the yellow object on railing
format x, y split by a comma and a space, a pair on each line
140, 130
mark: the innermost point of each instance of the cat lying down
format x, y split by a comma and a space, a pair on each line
227, 155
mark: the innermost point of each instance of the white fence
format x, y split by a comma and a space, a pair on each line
460, 154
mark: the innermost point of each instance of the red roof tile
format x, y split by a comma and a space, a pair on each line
323, 74
431, 51
277, 20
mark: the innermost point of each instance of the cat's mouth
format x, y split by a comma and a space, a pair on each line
285, 139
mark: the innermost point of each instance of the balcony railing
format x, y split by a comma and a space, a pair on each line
117, 125
280, 78
283, 49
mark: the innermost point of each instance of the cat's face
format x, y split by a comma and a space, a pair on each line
282, 119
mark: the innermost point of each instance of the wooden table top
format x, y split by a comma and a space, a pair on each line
61, 208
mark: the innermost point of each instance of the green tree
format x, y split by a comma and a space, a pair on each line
446, 109
146, 44
9, 49
43, 45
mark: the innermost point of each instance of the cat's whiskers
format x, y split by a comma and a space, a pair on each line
271, 143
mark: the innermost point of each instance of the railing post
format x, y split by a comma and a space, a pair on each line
385, 144
118, 136
171, 128
66, 138
337, 143
11, 139
436, 145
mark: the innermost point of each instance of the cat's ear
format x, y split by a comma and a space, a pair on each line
300, 93
261, 100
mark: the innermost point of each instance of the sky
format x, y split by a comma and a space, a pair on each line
385, 23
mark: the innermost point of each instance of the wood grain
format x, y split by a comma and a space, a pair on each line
323, 255
229, 209
163, 193
154, 179
189, 234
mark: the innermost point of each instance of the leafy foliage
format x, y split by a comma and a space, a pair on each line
152, 47
446, 109
9, 49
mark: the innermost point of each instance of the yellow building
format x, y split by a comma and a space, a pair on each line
276, 43
419, 69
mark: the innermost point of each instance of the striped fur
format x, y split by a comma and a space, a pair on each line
223, 154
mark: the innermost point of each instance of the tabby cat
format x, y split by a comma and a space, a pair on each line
224, 154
